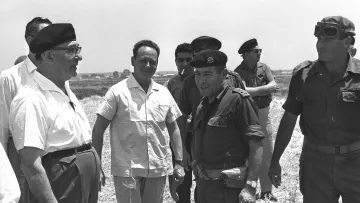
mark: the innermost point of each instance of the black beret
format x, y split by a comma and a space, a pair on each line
52, 36
247, 46
205, 42
209, 58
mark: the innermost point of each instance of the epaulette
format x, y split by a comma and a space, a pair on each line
302, 65
242, 92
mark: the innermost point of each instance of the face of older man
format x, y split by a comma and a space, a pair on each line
209, 81
330, 49
145, 63
66, 59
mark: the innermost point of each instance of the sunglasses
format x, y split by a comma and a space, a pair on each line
328, 30
258, 51
70, 52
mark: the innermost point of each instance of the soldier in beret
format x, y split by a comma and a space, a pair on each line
49, 127
10, 81
227, 133
325, 93
260, 84
190, 96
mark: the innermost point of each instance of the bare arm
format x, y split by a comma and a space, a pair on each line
283, 137
36, 175
255, 159
100, 126
271, 87
175, 140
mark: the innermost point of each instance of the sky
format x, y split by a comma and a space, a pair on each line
107, 30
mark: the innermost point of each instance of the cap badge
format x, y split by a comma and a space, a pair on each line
210, 60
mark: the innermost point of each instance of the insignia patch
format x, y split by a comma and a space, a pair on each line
210, 60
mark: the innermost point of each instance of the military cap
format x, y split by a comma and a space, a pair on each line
342, 22
207, 58
247, 46
52, 36
205, 42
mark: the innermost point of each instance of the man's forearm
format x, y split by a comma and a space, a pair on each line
283, 137
97, 142
182, 127
39, 183
255, 159
176, 143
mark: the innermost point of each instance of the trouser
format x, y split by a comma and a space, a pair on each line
215, 191
325, 177
184, 189
139, 189
15, 161
268, 148
72, 178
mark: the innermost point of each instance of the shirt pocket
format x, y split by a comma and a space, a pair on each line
160, 111
220, 121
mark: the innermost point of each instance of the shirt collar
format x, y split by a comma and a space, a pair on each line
248, 68
29, 65
353, 67
45, 84
219, 96
133, 83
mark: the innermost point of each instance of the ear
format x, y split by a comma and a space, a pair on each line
133, 61
347, 42
224, 73
48, 57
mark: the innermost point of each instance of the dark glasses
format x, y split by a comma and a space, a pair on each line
258, 51
328, 30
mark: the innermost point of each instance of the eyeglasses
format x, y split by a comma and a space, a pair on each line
70, 52
258, 51
328, 30
182, 60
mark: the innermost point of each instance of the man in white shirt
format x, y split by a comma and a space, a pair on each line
10, 81
9, 187
142, 116
50, 129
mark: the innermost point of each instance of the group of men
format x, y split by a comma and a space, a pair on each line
207, 121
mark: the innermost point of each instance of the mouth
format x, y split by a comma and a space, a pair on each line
204, 87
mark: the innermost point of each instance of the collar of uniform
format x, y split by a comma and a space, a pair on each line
219, 96
248, 68
317, 68
133, 83
353, 65
45, 84
29, 65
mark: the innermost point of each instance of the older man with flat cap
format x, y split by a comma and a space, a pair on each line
10, 81
190, 96
260, 84
228, 148
325, 93
49, 126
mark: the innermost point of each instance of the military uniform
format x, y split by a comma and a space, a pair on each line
330, 162
223, 129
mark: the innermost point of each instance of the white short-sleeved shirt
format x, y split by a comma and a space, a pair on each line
10, 81
44, 117
9, 187
139, 136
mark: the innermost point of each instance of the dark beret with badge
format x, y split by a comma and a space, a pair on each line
247, 46
208, 58
51, 36
205, 42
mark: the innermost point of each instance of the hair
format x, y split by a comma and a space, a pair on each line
32, 28
38, 57
146, 43
184, 47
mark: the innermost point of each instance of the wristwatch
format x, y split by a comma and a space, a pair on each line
180, 162
252, 183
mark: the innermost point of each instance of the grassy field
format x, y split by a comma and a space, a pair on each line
288, 192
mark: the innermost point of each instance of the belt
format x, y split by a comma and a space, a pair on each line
69, 152
337, 150
263, 106
224, 165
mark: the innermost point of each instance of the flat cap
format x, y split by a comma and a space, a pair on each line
205, 42
52, 36
342, 22
207, 58
247, 46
